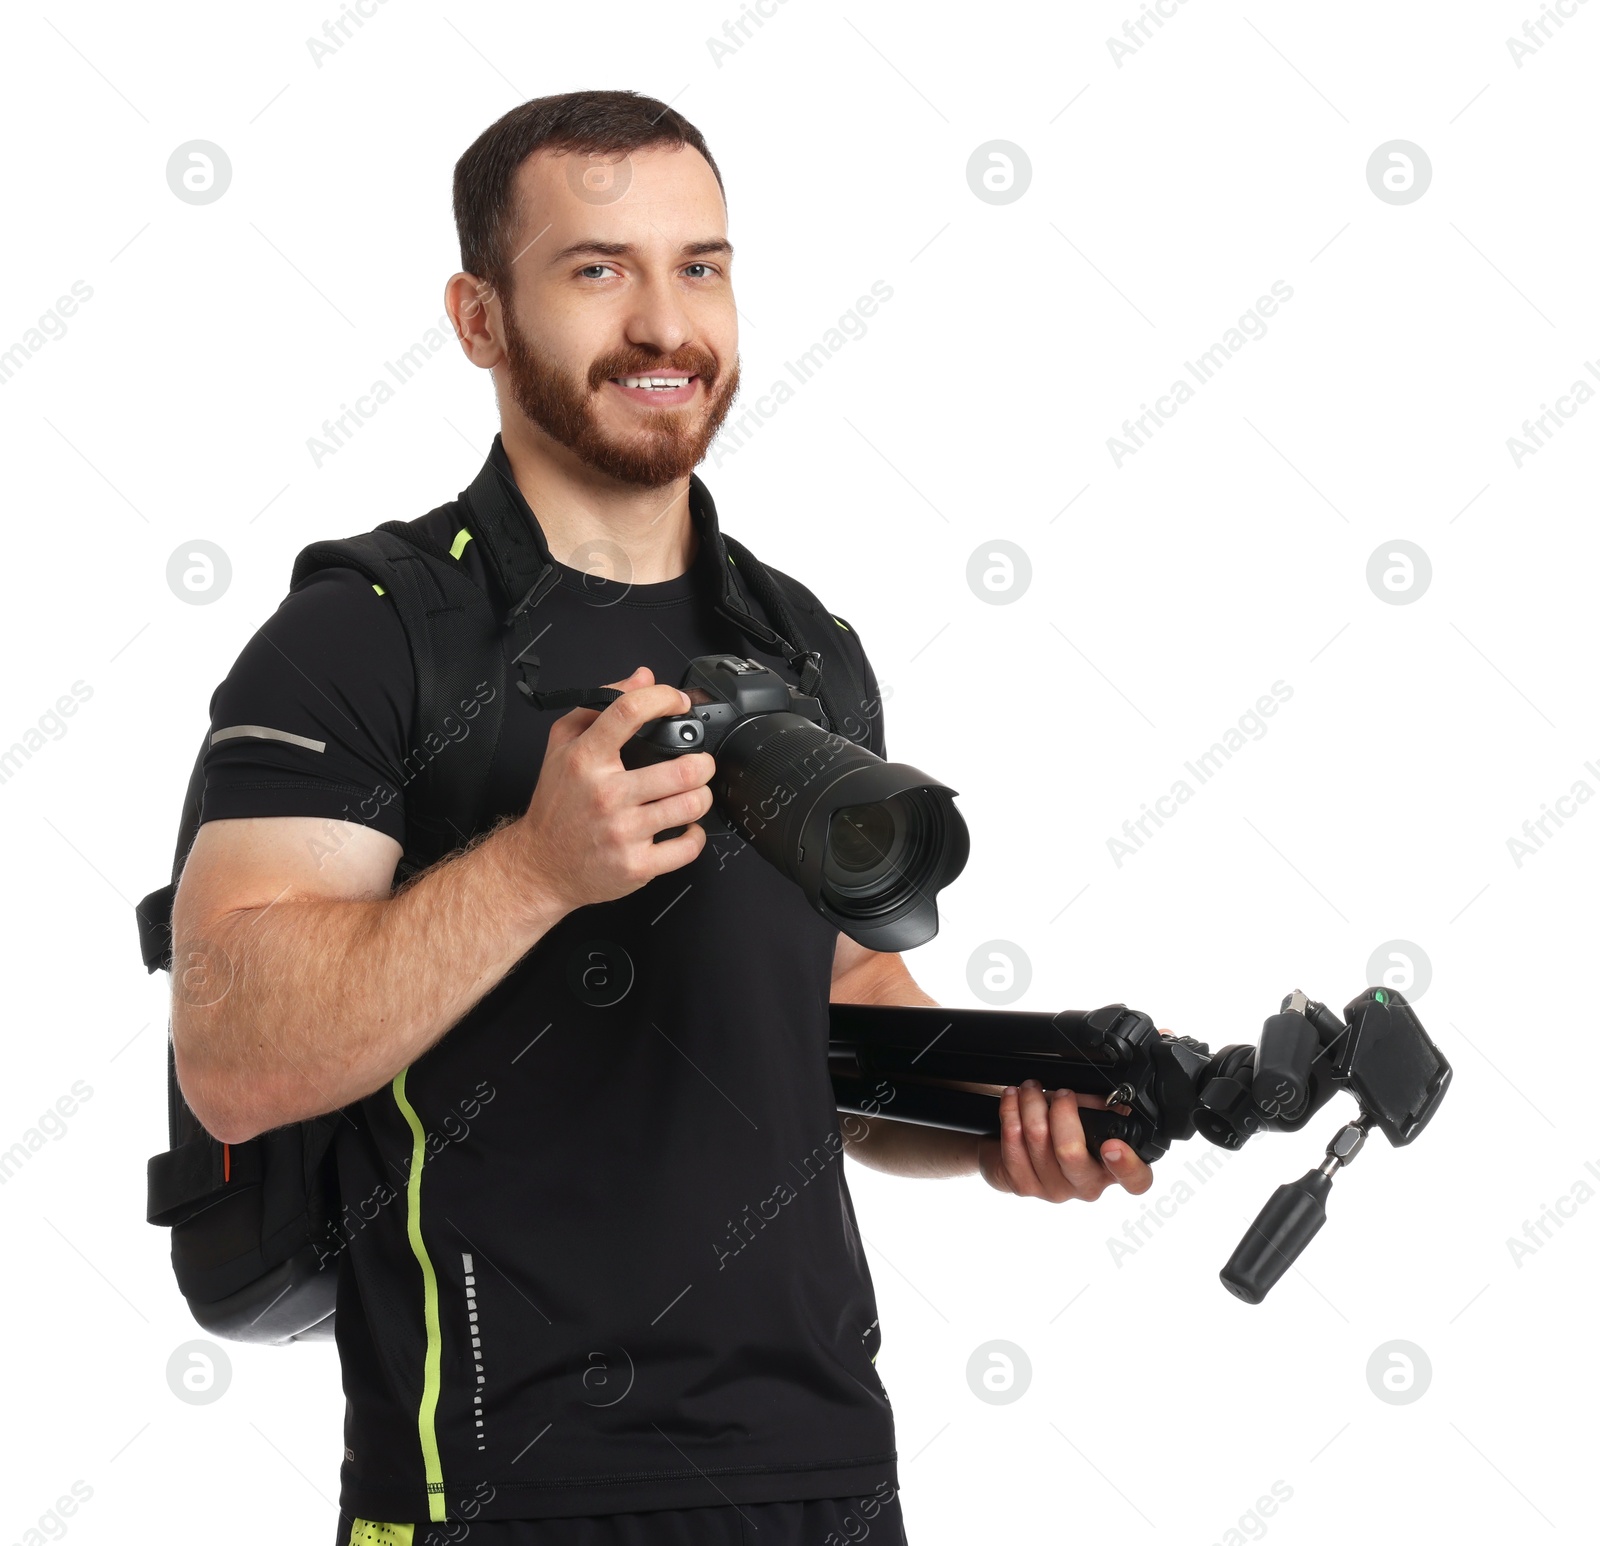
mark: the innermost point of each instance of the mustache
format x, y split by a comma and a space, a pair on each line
692, 362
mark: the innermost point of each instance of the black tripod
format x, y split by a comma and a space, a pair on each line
902, 1063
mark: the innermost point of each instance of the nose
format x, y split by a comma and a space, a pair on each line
658, 321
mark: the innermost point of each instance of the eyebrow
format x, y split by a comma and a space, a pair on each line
628, 250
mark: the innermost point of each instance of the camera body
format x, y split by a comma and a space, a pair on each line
724, 691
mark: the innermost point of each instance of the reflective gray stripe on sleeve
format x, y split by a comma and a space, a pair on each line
266, 733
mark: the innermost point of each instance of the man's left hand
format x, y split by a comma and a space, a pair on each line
1041, 1150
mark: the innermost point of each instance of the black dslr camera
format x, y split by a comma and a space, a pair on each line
870, 842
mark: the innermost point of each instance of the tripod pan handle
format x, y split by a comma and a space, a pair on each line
1282, 1230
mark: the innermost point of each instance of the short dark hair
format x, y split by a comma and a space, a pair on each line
604, 123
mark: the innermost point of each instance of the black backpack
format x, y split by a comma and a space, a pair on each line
255, 1232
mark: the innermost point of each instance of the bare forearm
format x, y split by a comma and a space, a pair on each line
899, 1148
909, 1149
324, 1001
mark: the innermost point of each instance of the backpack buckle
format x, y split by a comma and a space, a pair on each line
531, 598
809, 664
526, 664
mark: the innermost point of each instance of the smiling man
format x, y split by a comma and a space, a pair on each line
626, 1302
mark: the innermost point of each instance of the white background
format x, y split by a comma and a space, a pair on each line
1167, 595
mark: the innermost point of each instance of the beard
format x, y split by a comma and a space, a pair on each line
667, 446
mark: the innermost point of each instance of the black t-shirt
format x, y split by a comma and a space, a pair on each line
626, 1274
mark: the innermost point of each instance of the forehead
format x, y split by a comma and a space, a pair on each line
657, 199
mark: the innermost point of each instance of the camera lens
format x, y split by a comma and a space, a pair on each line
880, 856
871, 842
863, 842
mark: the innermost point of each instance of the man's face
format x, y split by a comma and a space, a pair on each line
623, 271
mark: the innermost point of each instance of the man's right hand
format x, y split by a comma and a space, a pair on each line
589, 830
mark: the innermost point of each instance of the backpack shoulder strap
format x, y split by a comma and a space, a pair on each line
455, 642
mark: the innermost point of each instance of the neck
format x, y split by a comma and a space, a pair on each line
577, 506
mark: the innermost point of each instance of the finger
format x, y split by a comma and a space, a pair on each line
1014, 1149
1126, 1168
623, 716
640, 676
672, 852
674, 811
1098, 1102
574, 722
1037, 1135
662, 780
1119, 1160
1082, 1172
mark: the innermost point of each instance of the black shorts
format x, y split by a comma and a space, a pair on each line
813, 1522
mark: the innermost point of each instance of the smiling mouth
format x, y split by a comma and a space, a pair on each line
668, 389
653, 383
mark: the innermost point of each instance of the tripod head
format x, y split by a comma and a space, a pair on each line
910, 1059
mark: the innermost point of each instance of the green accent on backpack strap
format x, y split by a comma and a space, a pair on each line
841, 622
380, 590
430, 1307
463, 537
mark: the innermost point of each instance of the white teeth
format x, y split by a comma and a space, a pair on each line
655, 383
